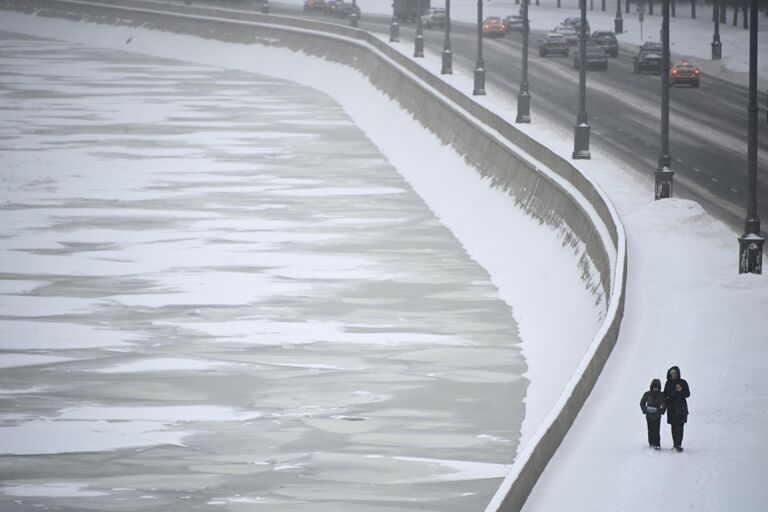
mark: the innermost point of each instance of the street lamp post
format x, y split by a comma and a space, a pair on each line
394, 27
447, 68
354, 17
618, 22
717, 46
479, 88
664, 174
581, 132
418, 43
751, 243
524, 96
265, 7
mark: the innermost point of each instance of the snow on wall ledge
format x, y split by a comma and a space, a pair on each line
565, 283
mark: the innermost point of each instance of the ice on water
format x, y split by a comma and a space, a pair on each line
216, 292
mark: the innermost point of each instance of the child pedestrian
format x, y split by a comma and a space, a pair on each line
653, 405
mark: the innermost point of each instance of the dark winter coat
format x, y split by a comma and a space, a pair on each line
677, 405
654, 403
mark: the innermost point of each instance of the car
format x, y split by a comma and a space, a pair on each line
575, 22
568, 32
314, 5
329, 7
493, 26
648, 58
684, 73
554, 44
434, 17
345, 9
595, 59
607, 41
514, 23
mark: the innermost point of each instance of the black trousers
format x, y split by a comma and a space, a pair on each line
677, 433
654, 431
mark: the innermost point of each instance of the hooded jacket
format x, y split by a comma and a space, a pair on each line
654, 403
677, 405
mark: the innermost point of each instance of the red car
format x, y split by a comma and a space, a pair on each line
494, 27
684, 73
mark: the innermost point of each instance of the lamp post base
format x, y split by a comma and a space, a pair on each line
523, 107
618, 25
751, 254
394, 32
717, 49
479, 89
354, 19
581, 142
664, 181
265, 8
447, 68
418, 48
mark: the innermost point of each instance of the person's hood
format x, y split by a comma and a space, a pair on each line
677, 369
655, 382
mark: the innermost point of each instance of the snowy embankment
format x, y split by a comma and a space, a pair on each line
687, 306
536, 273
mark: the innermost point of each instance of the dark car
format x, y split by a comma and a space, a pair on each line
607, 41
648, 59
575, 22
684, 73
596, 58
345, 9
554, 44
329, 7
514, 23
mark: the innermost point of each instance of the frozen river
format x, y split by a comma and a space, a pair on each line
216, 294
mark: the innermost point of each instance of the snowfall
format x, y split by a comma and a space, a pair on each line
686, 306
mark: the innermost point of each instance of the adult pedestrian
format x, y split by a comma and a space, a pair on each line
676, 391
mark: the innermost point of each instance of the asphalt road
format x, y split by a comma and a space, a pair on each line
708, 126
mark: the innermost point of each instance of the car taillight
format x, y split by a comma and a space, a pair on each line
697, 71
503, 26
486, 27
674, 71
